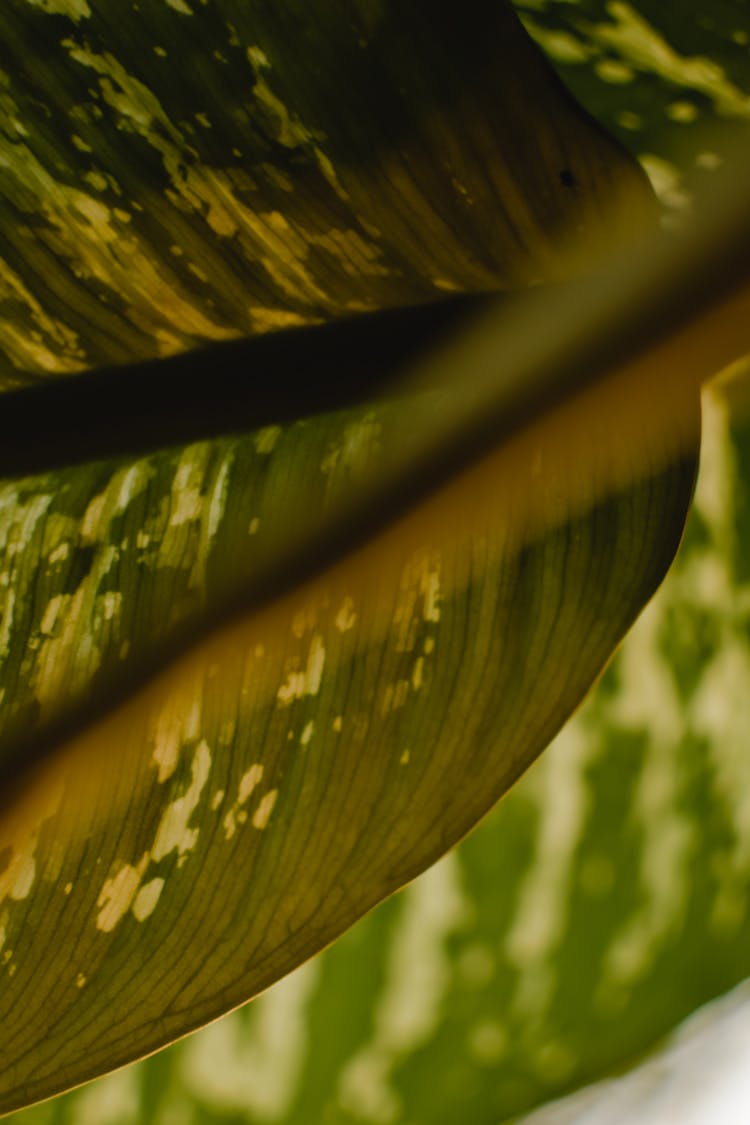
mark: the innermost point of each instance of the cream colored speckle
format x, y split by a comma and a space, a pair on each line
247, 786
404, 759
346, 617
67, 888
111, 602
61, 552
249, 781
24, 879
174, 832
307, 733
417, 675
338, 724
178, 722
258, 57
74, 9
147, 898
92, 516
292, 688
315, 662
217, 499
298, 684
117, 894
186, 506
54, 605
262, 814
265, 439
559, 45
666, 180
682, 111
81, 980
614, 72
217, 798
431, 589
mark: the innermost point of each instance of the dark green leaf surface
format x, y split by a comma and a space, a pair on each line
178, 173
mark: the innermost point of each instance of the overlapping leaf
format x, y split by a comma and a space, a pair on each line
300, 763
181, 173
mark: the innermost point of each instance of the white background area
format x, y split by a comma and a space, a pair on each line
700, 1077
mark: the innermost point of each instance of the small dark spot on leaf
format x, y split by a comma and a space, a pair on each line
567, 179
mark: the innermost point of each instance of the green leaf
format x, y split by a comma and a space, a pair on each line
548, 947
670, 80
183, 173
194, 838
299, 763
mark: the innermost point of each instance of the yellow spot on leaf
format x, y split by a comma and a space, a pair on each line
265, 439
262, 814
248, 783
174, 832
74, 9
54, 606
117, 894
346, 617
147, 898
298, 684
